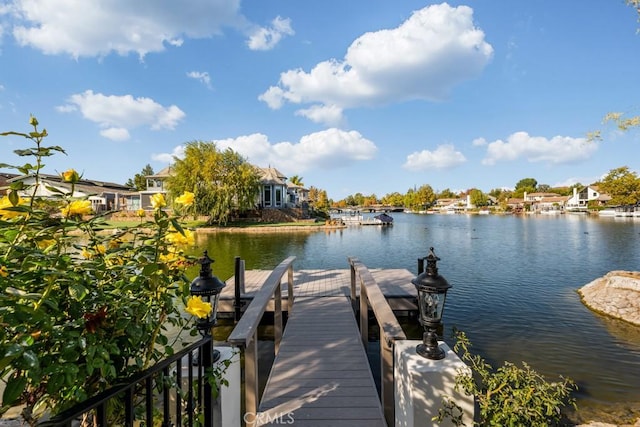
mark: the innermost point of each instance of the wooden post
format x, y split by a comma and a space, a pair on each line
290, 289
354, 296
251, 376
387, 388
364, 315
420, 265
237, 304
277, 317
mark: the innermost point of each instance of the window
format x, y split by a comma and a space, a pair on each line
267, 196
278, 196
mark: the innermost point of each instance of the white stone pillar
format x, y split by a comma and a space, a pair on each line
421, 385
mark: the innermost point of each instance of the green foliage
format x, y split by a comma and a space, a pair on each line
222, 181
80, 308
478, 198
509, 395
622, 185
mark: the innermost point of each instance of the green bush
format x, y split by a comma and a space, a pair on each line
509, 395
81, 308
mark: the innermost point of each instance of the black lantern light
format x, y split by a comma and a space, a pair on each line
208, 287
432, 292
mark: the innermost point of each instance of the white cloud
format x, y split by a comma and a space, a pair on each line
266, 38
115, 134
327, 114
202, 76
168, 157
328, 149
122, 112
479, 142
99, 27
557, 150
435, 49
444, 157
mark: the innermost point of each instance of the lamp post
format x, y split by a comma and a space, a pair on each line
432, 292
208, 287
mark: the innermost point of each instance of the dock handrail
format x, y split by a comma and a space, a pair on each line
390, 329
244, 335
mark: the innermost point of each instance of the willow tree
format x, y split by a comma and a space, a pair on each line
221, 181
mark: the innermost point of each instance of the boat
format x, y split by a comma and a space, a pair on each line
383, 219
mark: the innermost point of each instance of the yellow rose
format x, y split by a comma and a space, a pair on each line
157, 201
141, 213
197, 307
70, 176
186, 199
178, 239
6, 203
77, 207
3, 271
86, 254
45, 243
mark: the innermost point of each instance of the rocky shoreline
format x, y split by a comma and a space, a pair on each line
617, 294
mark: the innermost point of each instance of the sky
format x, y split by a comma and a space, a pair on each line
358, 96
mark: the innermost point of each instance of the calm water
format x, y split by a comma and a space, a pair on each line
514, 285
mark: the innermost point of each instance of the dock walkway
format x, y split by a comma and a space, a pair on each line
321, 375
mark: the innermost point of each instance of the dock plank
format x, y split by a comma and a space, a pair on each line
321, 375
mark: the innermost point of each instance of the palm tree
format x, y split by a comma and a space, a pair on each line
296, 180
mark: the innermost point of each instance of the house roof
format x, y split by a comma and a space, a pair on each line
271, 176
162, 173
87, 186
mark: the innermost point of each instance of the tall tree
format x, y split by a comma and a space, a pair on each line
222, 181
139, 181
447, 194
296, 180
478, 198
622, 185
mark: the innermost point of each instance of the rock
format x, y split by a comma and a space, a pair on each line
617, 294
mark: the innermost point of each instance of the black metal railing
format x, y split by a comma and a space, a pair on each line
147, 396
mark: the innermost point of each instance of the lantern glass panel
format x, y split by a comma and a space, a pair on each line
431, 306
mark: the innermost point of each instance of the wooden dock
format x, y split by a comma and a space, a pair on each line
321, 375
395, 284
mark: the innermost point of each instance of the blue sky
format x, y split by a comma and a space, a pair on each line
364, 96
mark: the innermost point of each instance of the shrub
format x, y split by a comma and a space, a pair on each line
80, 309
509, 395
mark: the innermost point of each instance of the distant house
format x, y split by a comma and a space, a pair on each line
104, 196
554, 203
273, 188
579, 201
298, 195
156, 183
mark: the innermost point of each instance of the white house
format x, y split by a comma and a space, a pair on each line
579, 201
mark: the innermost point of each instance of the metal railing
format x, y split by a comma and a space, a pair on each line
245, 334
156, 387
390, 329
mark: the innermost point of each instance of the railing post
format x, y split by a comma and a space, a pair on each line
290, 289
420, 265
354, 296
277, 317
364, 315
251, 375
387, 388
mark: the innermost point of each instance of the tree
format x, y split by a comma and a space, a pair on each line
222, 181
425, 196
296, 180
525, 185
478, 198
622, 185
139, 181
393, 199
446, 194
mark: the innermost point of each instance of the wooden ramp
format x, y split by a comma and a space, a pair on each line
321, 375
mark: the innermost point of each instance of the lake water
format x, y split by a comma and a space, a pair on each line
514, 285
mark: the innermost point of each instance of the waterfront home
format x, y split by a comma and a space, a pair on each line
549, 204
104, 196
579, 201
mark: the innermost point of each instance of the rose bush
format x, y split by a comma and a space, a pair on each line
81, 308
